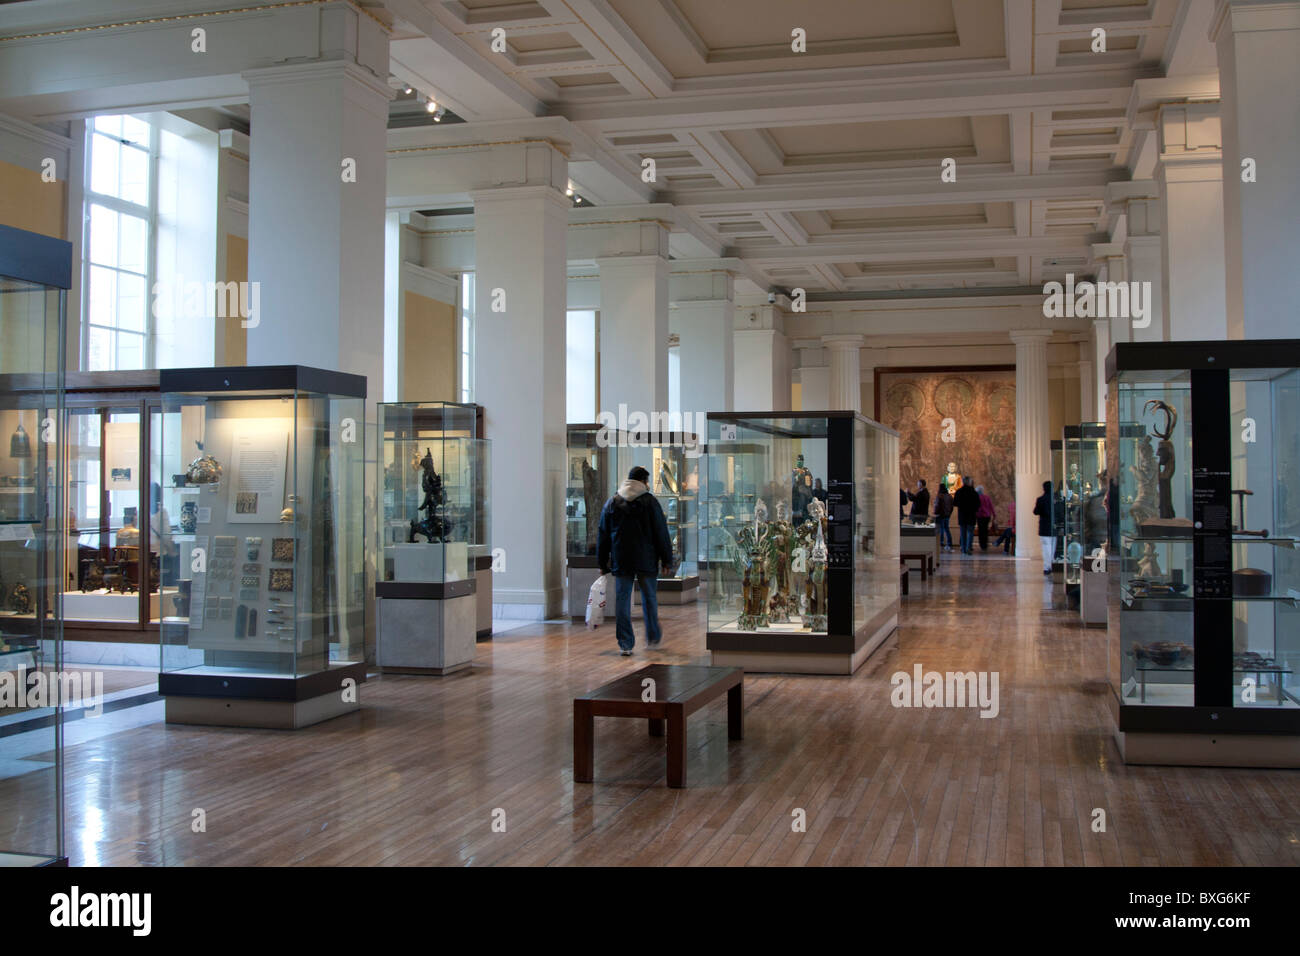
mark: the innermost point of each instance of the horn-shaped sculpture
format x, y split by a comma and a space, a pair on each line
1166, 459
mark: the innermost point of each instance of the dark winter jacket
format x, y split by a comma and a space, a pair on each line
967, 503
633, 537
943, 507
1043, 508
920, 503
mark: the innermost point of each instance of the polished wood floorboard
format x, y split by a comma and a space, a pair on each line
417, 776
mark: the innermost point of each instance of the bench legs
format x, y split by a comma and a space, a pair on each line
656, 726
584, 742
676, 747
736, 712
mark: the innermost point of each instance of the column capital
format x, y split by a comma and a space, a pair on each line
319, 70
1250, 16
495, 195
1029, 337
843, 341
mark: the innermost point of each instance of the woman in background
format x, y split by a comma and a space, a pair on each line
985, 514
943, 512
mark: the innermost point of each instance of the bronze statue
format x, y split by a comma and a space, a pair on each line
431, 525
1165, 457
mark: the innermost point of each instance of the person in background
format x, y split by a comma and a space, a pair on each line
942, 513
902, 503
633, 544
818, 491
920, 502
984, 515
1043, 508
1008, 536
967, 503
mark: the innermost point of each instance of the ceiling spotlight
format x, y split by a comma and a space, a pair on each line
578, 200
568, 190
407, 91
442, 111
431, 106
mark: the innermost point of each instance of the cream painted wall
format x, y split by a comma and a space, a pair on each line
429, 352
28, 203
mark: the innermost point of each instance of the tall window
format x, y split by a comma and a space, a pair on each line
120, 206
467, 337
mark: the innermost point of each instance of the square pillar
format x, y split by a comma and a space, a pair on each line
519, 378
1259, 82
634, 333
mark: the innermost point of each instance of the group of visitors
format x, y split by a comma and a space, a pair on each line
975, 513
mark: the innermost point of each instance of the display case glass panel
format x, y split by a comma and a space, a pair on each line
673, 461
802, 527
269, 577
597, 460
1058, 509
1208, 527
433, 470
32, 320
1081, 497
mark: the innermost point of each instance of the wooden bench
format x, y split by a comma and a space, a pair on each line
678, 691
925, 557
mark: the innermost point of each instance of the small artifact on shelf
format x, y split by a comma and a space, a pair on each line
1251, 582
129, 535
1161, 653
814, 610
1166, 459
204, 470
754, 583
1149, 565
189, 517
1240, 526
20, 598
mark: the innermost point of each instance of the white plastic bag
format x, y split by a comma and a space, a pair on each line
596, 604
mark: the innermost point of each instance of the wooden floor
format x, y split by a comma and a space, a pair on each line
415, 778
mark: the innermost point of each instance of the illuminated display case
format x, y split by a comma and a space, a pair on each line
798, 582
1205, 635
430, 536
35, 273
1058, 479
597, 460
268, 583
673, 461
1082, 495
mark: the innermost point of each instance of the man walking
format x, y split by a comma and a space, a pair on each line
967, 503
633, 543
1043, 508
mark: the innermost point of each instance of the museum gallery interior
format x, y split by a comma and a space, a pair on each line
350, 349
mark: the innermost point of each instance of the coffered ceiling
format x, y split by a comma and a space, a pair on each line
821, 169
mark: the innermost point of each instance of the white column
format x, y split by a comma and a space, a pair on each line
1033, 442
704, 328
1144, 263
763, 360
1190, 173
519, 377
634, 333
1087, 403
815, 388
846, 371
315, 241
1259, 82
1101, 348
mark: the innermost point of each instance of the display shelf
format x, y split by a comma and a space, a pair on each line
429, 530
35, 275
268, 587
799, 582
1217, 450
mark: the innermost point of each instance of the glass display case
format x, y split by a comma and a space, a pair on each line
430, 529
1082, 497
35, 272
1058, 513
598, 458
673, 461
268, 578
1208, 611
801, 582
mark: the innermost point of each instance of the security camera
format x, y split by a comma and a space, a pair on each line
771, 298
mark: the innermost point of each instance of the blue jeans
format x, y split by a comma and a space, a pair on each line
649, 606
967, 538
945, 533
